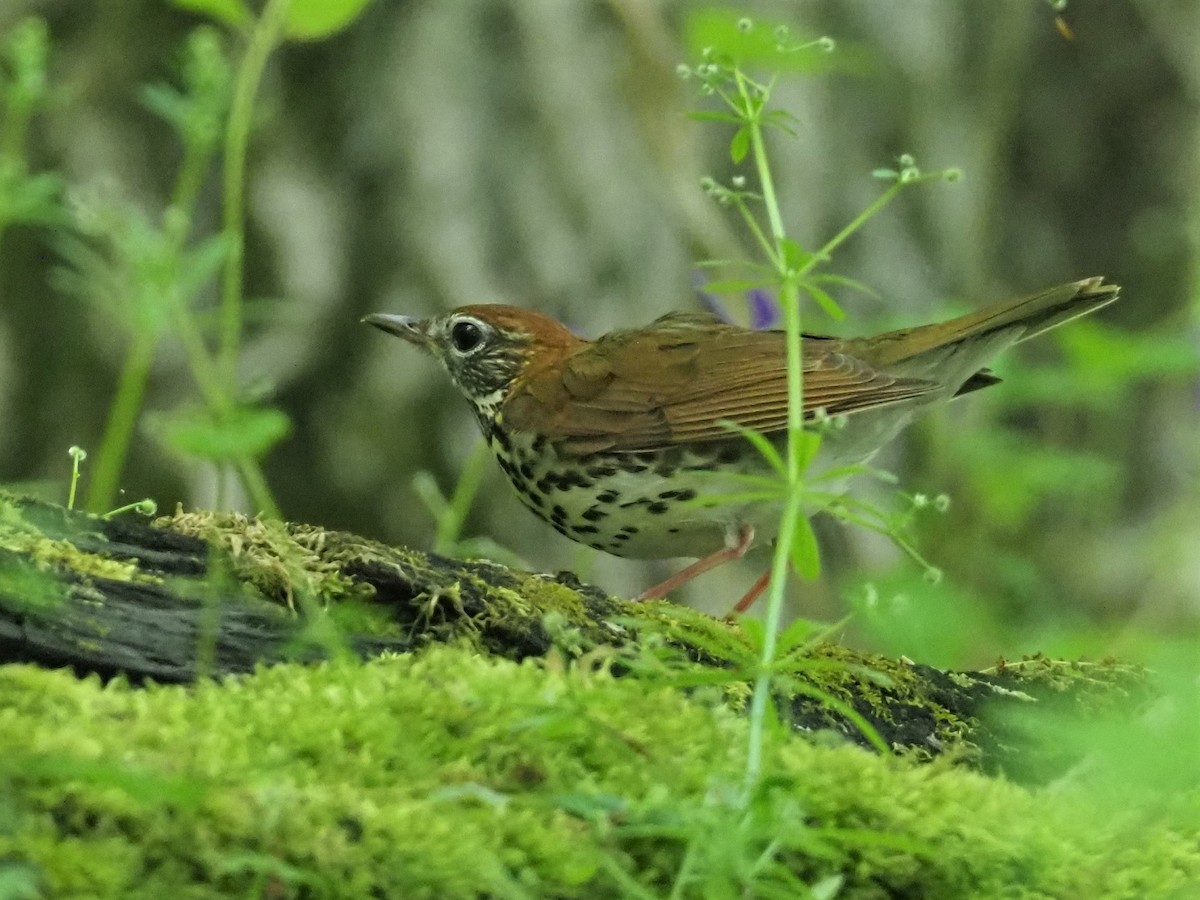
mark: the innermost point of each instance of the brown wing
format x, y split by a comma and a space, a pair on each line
673, 382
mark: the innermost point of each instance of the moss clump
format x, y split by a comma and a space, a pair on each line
447, 774
281, 560
30, 542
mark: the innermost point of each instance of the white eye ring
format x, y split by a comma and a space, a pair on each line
467, 335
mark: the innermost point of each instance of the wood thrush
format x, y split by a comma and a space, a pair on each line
619, 442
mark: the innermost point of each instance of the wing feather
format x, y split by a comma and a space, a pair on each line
677, 380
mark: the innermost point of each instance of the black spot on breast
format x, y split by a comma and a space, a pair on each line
620, 538
658, 507
607, 496
569, 478
602, 471
558, 513
527, 471
585, 529
629, 529
594, 514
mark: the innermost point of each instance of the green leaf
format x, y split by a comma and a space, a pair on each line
740, 145
804, 552
712, 116
783, 120
200, 265
30, 199
810, 443
244, 432
228, 12
760, 442
310, 20
794, 256
823, 299
430, 494
736, 285
843, 281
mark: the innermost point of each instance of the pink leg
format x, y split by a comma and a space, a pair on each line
751, 595
700, 566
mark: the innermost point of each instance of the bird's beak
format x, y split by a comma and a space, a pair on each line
412, 330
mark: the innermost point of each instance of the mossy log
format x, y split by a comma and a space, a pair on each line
201, 594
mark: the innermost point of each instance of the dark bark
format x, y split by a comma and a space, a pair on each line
190, 606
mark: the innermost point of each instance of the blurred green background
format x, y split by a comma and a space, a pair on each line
538, 153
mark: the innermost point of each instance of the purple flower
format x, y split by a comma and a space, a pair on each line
764, 309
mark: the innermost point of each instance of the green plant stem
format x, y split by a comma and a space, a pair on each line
793, 509
768, 247
135, 373
122, 418
856, 223
256, 486
761, 696
450, 522
209, 382
264, 38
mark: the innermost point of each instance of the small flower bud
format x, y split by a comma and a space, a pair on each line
745, 25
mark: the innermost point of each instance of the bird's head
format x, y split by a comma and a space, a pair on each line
485, 349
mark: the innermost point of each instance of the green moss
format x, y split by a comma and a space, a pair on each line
447, 774
28, 541
281, 560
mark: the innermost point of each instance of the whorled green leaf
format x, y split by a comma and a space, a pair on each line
30, 199
804, 552
761, 443
200, 265
736, 285
843, 281
739, 146
233, 13
810, 443
823, 299
310, 20
795, 256
244, 432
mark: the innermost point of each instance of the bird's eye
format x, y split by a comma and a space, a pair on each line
466, 336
